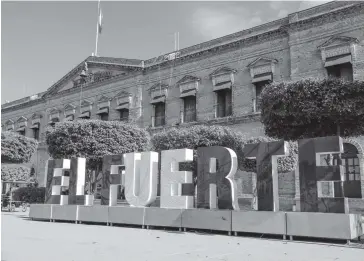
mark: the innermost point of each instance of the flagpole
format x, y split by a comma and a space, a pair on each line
97, 26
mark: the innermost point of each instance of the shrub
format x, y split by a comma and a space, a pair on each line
11, 172
313, 108
29, 194
16, 148
94, 139
206, 136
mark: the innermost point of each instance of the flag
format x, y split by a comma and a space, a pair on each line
99, 23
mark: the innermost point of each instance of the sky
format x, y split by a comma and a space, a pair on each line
43, 41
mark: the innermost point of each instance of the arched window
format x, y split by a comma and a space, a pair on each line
350, 162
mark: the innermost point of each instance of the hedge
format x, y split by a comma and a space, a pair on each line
29, 194
313, 108
94, 139
16, 148
206, 136
12, 172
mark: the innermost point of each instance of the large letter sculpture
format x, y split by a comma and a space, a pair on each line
112, 178
76, 192
141, 178
173, 180
216, 187
309, 151
266, 154
65, 181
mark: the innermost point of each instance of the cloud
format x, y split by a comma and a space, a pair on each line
308, 4
213, 23
282, 13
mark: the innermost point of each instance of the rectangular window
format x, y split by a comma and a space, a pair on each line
258, 90
104, 116
159, 118
36, 133
124, 115
189, 110
224, 100
344, 71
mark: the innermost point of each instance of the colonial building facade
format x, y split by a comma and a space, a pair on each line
215, 82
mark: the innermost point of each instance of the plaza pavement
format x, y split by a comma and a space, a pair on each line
26, 240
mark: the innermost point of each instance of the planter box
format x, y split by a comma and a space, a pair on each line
93, 214
40, 211
207, 219
262, 222
324, 225
126, 215
163, 217
67, 212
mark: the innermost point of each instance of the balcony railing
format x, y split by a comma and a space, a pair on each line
159, 120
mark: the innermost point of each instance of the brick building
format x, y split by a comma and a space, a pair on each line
215, 82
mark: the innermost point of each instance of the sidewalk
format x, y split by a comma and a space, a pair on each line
23, 239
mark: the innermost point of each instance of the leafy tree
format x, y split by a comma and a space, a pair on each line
16, 148
206, 136
93, 139
313, 108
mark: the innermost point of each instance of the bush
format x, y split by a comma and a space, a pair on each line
16, 148
93, 139
12, 172
29, 194
313, 108
206, 136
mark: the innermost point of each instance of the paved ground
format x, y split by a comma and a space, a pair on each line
23, 239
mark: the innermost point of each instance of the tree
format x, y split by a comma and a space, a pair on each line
206, 136
93, 139
16, 149
313, 108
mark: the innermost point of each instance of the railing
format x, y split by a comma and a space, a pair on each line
159, 120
